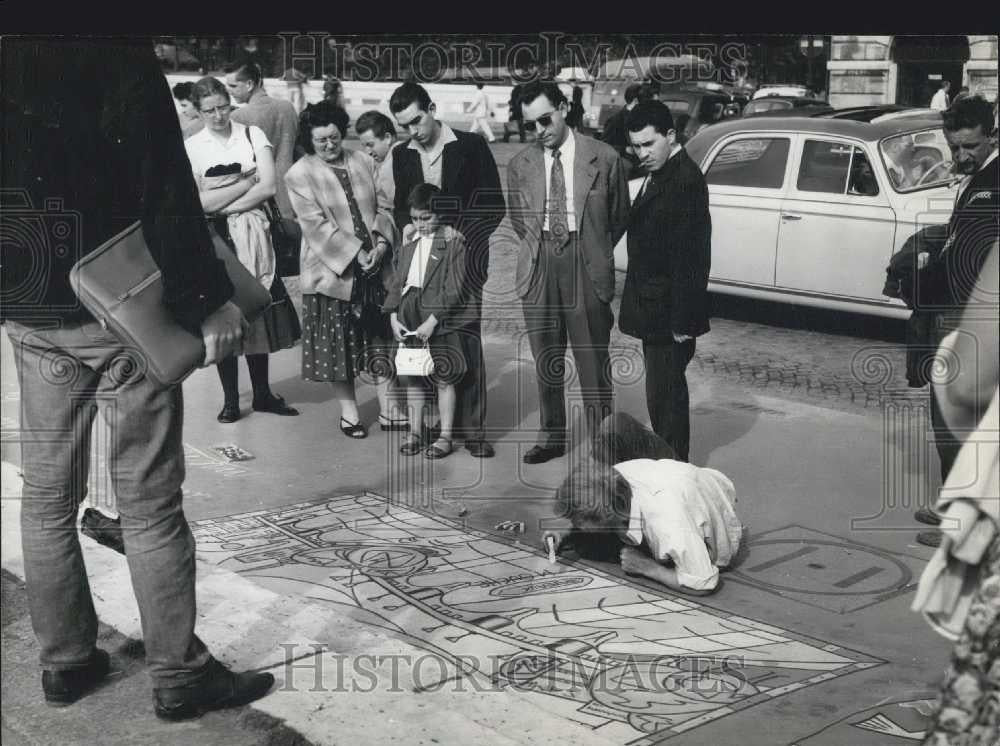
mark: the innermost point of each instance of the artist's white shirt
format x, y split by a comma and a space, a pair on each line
685, 513
418, 266
567, 152
430, 160
940, 100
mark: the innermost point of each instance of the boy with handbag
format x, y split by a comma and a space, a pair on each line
425, 304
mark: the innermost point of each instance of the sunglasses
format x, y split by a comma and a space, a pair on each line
545, 120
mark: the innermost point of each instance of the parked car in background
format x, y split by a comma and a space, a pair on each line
795, 106
694, 109
808, 210
781, 89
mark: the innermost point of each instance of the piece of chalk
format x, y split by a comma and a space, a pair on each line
550, 541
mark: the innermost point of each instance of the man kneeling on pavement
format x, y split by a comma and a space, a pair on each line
665, 519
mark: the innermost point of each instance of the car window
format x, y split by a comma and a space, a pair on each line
751, 163
917, 160
862, 181
824, 168
678, 107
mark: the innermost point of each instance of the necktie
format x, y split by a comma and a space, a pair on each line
558, 225
642, 188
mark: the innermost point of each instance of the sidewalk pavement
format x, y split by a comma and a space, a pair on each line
832, 561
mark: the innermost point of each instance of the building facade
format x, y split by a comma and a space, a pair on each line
867, 70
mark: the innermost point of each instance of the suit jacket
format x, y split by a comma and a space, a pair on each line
469, 176
972, 229
444, 290
329, 243
669, 255
600, 198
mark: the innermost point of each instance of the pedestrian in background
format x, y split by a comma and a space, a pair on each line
569, 206
665, 299
516, 117
941, 101
187, 112
347, 254
462, 166
233, 165
482, 112
111, 157
574, 117
278, 120
377, 134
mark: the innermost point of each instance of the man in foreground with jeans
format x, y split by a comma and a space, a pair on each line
76, 171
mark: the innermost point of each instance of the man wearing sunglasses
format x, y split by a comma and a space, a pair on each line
461, 165
569, 205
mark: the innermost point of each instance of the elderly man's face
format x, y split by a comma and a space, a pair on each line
377, 147
970, 147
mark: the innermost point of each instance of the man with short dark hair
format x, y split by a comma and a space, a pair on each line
946, 283
569, 205
276, 117
665, 300
377, 134
615, 134
462, 166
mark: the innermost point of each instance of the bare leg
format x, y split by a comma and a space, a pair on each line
415, 399
636, 562
388, 406
343, 392
446, 406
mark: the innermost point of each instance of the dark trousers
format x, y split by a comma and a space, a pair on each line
470, 404
667, 392
563, 306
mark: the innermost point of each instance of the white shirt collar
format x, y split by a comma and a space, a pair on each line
446, 136
567, 151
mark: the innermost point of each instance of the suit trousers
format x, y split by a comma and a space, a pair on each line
563, 305
66, 374
667, 392
470, 400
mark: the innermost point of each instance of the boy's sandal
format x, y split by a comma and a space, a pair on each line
395, 425
439, 448
353, 429
411, 446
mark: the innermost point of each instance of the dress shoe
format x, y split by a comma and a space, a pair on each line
218, 689
480, 448
928, 516
63, 688
229, 413
929, 538
275, 405
103, 529
541, 454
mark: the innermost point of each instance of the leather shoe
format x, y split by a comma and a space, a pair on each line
229, 413
275, 405
928, 516
929, 538
541, 454
480, 448
63, 688
218, 689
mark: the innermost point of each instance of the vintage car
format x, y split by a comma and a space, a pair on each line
809, 210
694, 108
796, 106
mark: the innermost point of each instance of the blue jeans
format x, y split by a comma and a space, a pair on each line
66, 374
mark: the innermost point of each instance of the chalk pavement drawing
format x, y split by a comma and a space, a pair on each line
640, 665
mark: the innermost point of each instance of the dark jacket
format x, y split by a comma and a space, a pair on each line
669, 255
948, 281
91, 143
444, 290
469, 178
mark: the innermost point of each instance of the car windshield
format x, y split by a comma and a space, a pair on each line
917, 160
678, 107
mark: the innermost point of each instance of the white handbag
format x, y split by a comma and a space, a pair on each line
414, 361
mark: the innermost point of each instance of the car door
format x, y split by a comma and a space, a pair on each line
747, 176
837, 227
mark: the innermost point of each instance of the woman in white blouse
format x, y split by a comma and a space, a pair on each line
234, 167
